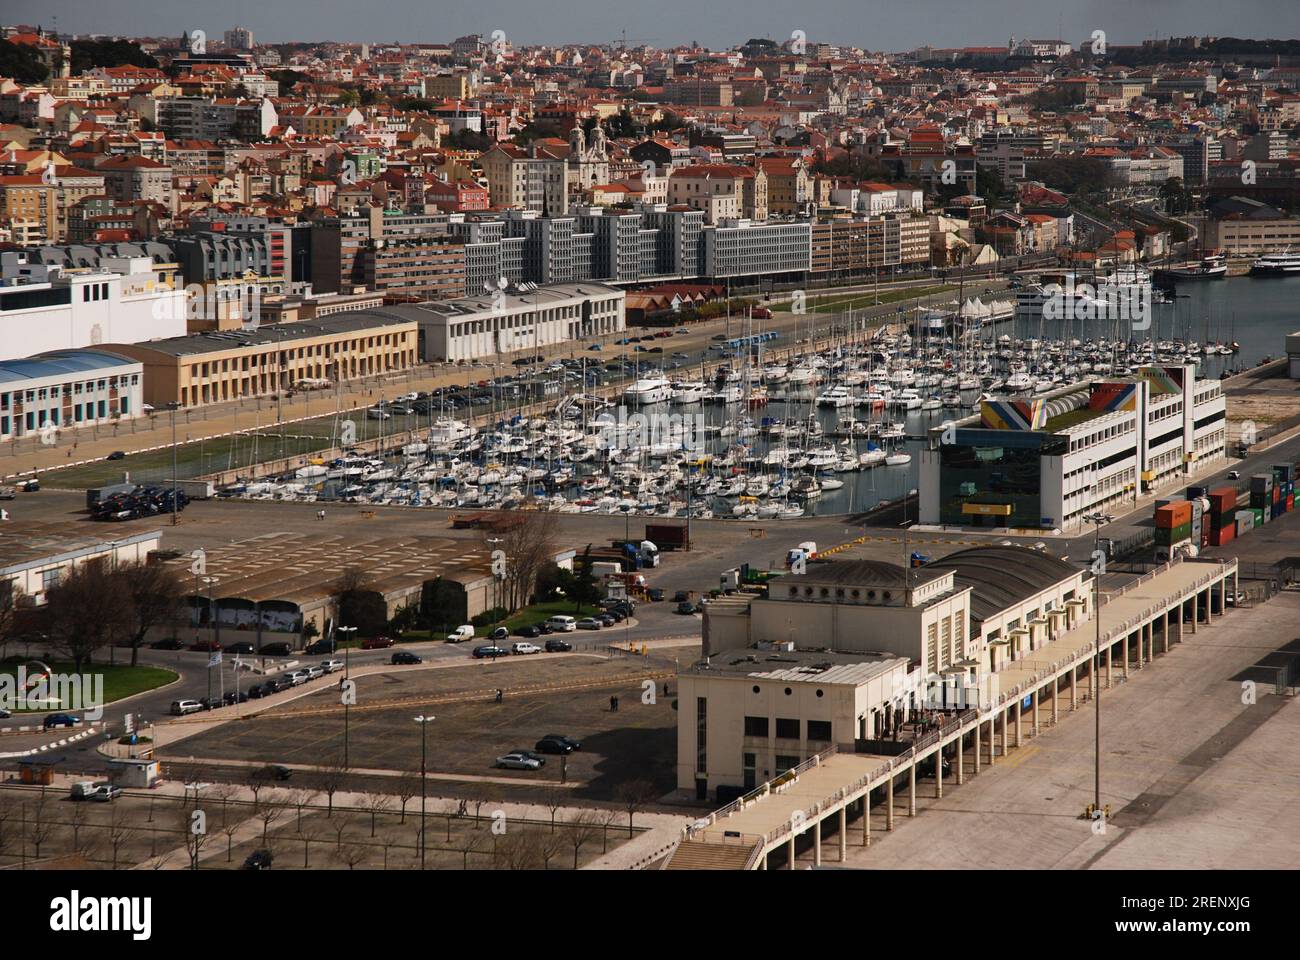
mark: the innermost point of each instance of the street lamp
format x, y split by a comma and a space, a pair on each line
172, 405
424, 722
347, 663
1098, 520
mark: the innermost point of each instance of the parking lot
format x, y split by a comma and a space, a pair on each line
565, 694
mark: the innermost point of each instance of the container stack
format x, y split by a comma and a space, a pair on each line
1173, 526
1223, 515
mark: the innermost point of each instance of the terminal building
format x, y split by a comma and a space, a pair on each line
1046, 462
850, 649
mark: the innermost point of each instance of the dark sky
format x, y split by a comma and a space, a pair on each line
895, 25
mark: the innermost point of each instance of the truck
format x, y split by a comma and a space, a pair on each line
805, 551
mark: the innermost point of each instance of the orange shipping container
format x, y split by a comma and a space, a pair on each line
1173, 515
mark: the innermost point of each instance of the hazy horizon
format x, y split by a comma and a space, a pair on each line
944, 23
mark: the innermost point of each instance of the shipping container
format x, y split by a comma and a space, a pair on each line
1174, 514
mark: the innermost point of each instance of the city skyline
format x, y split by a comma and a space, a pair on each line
926, 22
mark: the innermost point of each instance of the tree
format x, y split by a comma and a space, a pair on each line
357, 604
582, 829
634, 795
86, 613
155, 595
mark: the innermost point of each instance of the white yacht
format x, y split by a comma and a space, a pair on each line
648, 390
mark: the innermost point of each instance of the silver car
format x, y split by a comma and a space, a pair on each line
517, 761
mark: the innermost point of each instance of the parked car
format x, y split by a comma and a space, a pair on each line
588, 623
462, 633
276, 649
517, 761
405, 656
259, 860
61, 720
490, 650
168, 643
524, 648
377, 643
556, 645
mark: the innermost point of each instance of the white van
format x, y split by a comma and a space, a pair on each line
562, 624
462, 633
182, 707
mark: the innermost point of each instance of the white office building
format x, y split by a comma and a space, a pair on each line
123, 300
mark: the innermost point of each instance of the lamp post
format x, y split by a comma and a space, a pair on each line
347, 664
1097, 520
424, 722
172, 405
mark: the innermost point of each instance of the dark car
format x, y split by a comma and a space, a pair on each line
405, 656
169, 643
259, 860
490, 650
276, 649
61, 720
116, 455
556, 645
242, 647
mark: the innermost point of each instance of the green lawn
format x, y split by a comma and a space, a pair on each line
119, 680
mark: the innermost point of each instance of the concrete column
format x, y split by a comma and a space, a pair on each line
1034, 700
790, 848
889, 802
911, 789
844, 834
961, 772
817, 842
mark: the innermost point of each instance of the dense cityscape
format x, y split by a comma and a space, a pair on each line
471, 454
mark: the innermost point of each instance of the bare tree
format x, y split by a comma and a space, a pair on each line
268, 815
155, 594
86, 612
408, 785
634, 795
332, 778
352, 854
553, 799
375, 804
549, 846
581, 831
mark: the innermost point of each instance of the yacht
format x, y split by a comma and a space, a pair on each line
648, 390
688, 393
1276, 264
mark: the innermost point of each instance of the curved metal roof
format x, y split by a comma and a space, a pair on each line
1000, 577
60, 363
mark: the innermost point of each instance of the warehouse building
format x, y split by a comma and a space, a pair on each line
217, 367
